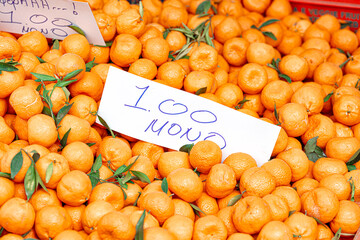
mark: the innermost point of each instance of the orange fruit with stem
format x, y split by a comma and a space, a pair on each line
84, 107
42, 130
7, 160
324, 167
276, 92
116, 225
130, 22
279, 209
34, 42
156, 49
186, 184
74, 194
221, 181
78, 44
50, 221
10, 48
346, 110
257, 181
209, 226
17, 216
172, 73
252, 78
79, 156
293, 118
76, 214
170, 161
144, 165
93, 213
246, 220
260, 53
342, 148
114, 152
275, 230
240, 162
322, 127
42, 198
90, 84
302, 226
181, 227
80, 129
108, 192
347, 217
106, 24
321, 203
204, 155
229, 94
207, 204
125, 50
144, 68
26, 102
338, 184
60, 168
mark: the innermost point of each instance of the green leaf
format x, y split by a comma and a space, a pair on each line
90, 144
186, 148
235, 199
62, 113
126, 179
352, 185
67, 93
94, 178
346, 61
90, 65
351, 167
46, 111
63, 141
5, 175
328, 96
56, 44
203, 7
241, 103
337, 235
214, 9
63, 84
72, 74
137, 199
270, 35
1, 230
77, 29
38, 179
102, 121
286, 77
107, 44
276, 113
30, 183
141, 176
354, 158
141, 10
97, 164
268, 22
26, 233
341, 51
166, 33
140, 227
292, 212
345, 24
49, 172
197, 210
7, 67
319, 222
201, 91
40, 59
43, 77
311, 144
171, 56
16, 164
35, 156
164, 185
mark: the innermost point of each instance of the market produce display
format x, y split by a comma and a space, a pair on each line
62, 176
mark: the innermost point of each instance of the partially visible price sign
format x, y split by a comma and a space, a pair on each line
52, 18
171, 118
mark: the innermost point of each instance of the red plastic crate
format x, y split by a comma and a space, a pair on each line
348, 10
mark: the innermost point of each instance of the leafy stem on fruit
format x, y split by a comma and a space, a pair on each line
266, 33
276, 113
8, 66
313, 151
349, 58
275, 65
196, 35
241, 103
204, 7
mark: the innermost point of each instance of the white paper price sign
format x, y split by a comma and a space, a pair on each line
50, 17
171, 118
